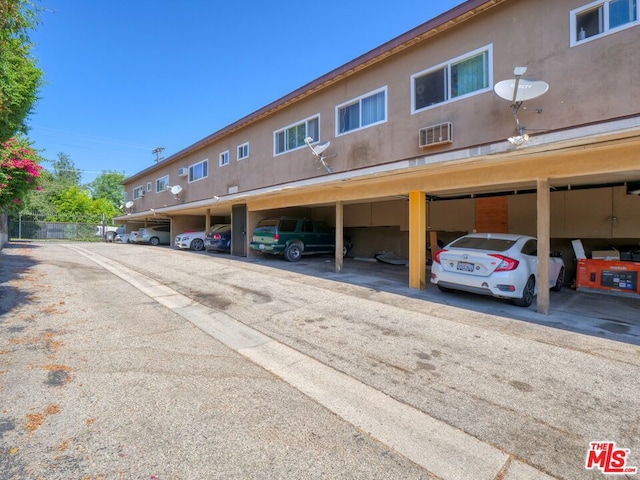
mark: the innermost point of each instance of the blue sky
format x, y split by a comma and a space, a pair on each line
123, 77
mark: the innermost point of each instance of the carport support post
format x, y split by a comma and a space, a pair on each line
339, 236
417, 240
207, 220
544, 244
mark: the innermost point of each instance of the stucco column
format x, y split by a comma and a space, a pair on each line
207, 220
339, 236
417, 240
544, 243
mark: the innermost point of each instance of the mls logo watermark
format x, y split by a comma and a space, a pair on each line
609, 459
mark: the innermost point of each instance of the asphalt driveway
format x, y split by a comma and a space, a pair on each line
127, 361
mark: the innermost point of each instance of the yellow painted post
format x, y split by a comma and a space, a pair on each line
339, 236
417, 240
544, 247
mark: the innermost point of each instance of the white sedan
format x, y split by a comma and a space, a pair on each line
190, 240
497, 264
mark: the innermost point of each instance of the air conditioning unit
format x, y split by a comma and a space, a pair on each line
183, 172
435, 135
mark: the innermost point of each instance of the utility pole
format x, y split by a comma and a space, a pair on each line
157, 152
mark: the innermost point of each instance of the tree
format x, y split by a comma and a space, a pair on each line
19, 172
108, 186
20, 78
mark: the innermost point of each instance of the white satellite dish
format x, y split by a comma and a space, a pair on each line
176, 189
527, 89
129, 204
317, 151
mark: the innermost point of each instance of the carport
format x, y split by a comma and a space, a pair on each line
553, 167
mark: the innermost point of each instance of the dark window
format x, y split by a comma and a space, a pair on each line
288, 225
530, 248
481, 243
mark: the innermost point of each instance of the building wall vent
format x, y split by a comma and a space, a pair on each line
183, 172
435, 135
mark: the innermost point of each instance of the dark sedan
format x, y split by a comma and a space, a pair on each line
218, 239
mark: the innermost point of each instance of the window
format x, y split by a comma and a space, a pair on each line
198, 171
601, 18
243, 151
467, 75
162, 183
148, 186
365, 111
223, 159
293, 136
138, 192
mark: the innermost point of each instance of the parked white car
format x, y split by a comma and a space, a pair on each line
190, 240
497, 264
154, 235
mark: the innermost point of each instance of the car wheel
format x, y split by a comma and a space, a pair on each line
559, 281
293, 252
527, 293
197, 244
155, 241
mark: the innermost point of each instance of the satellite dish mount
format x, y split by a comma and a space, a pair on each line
517, 91
317, 150
128, 206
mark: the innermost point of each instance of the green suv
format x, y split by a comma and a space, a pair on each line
295, 237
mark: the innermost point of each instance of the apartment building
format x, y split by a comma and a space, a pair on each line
426, 141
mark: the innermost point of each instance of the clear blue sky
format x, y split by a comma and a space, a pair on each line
126, 76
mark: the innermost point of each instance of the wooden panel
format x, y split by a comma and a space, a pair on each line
491, 215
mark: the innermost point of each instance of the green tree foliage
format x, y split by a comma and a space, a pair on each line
20, 78
108, 186
19, 172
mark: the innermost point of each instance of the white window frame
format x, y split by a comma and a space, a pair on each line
223, 158
240, 151
574, 39
160, 182
447, 65
149, 186
138, 192
285, 130
359, 101
204, 164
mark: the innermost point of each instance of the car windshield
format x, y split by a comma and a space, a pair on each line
483, 243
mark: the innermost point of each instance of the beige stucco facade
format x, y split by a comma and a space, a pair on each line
582, 150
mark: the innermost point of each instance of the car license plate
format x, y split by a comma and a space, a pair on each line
261, 246
465, 266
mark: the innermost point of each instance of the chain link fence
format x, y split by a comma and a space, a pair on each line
39, 226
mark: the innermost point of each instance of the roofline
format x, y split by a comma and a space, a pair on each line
436, 25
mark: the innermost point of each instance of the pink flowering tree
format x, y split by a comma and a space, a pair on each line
19, 172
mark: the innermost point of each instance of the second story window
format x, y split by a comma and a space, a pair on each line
243, 151
466, 75
601, 18
223, 159
293, 136
365, 111
148, 186
138, 192
162, 183
198, 171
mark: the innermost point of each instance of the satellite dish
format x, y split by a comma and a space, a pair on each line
317, 151
176, 189
129, 204
527, 89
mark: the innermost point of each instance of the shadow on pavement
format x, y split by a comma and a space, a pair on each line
595, 314
15, 264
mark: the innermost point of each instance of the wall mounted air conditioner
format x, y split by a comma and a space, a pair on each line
435, 135
183, 172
